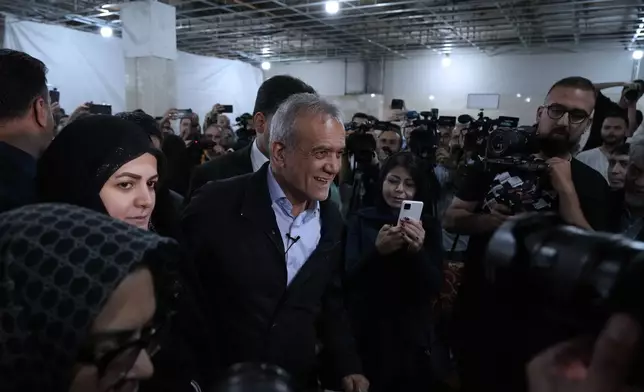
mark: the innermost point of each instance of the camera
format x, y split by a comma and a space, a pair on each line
631, 94
362, 146
501, 142
570, 279
245, 135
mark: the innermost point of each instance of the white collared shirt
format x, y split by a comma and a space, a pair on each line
300, 234
257, 159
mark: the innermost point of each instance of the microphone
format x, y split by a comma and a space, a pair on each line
293, 241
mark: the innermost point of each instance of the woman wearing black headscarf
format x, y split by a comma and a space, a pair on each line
393, 273
103, 163
109, 165
82, 299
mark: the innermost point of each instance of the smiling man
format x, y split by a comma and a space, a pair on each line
271, 267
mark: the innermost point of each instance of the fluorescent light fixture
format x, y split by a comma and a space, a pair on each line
641, 26
106, 31
446, 62
332, 7
638, 54
265, 50
266, 65
528, 99
431, 97
373, 95
638, 32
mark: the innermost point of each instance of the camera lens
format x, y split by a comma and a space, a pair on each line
407, 207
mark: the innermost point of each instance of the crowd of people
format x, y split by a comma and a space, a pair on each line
133, 256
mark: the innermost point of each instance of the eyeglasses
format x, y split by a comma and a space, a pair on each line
575, 116
114, 366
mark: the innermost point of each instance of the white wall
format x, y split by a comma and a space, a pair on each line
415, 79
327, 78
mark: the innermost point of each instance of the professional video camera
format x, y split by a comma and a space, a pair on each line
566, 279
362, 146
501, 142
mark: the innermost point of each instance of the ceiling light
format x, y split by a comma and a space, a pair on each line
106, 31
266, 65
528, 99
332, 7
431, 97
641, 26
638, 54
373, 95
519, 95
638, 32
265, 50
446, 62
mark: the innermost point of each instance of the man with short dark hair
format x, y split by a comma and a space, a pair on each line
249, 159
613, 131
491, 352
26, 125
627, 105
617, 165
389, 142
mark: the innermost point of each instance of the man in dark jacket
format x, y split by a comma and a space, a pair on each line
249, 159
26, 125
271, 268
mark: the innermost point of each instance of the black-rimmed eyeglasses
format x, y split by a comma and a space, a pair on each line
575, 116
114, 366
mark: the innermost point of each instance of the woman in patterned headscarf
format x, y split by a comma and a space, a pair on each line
79, 293
103, 163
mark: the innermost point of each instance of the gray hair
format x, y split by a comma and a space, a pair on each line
282, 127
636, 151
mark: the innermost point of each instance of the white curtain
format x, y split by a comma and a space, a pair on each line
87, 67
205, 81
82, 66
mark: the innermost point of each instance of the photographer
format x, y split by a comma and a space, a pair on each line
389, 142
631, 93
573, 189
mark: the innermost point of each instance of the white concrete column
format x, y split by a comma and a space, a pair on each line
150, 49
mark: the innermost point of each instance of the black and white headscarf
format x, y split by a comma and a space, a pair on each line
58, 266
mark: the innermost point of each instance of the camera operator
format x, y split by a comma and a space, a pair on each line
389, 142
189, 128
573, 189
360, 119
613, 133
631, 93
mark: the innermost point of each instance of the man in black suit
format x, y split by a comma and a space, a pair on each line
26, 126
271, 265
249, 159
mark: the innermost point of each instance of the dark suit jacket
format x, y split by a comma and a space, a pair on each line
227, 166
230, 227
17, 178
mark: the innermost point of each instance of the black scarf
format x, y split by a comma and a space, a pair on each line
58, 266
83, 157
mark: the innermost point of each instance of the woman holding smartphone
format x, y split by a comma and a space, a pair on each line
393, 271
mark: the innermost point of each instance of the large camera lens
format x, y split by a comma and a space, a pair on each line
573, 278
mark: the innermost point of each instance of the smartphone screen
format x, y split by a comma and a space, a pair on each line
181, 113
100, 109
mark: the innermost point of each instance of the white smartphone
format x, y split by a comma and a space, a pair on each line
411, 209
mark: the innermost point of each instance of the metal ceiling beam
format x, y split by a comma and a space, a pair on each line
335, 28
514, 25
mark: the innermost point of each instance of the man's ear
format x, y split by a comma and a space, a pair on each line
540, 113
41, 111
277, 153
259, 122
